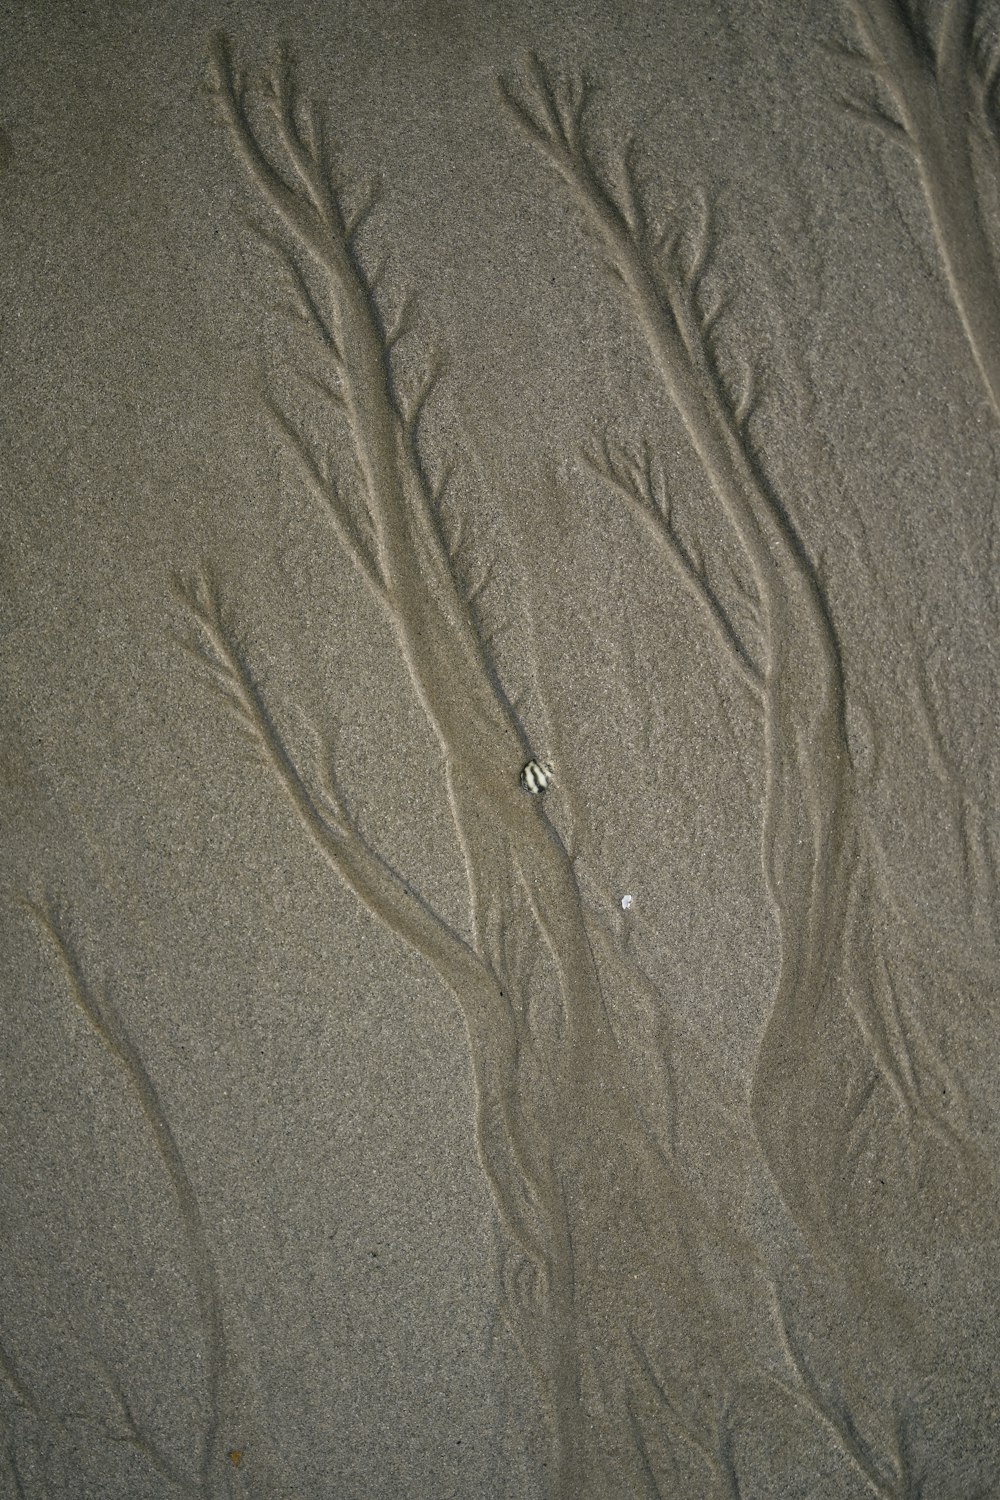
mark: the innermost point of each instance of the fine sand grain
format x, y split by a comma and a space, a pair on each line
501, 600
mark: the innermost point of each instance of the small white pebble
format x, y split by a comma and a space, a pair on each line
626, 903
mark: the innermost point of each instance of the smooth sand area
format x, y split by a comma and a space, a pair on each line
500, 614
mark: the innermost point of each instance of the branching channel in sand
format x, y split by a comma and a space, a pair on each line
569, 1145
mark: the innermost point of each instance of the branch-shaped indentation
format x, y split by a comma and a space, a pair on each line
889, 1477
923, 1086
866, 71
635, 985
344, 505
968, 814
354, 532
517, 1167
640, 482
293, 164
547, 1139
554, 117
324, 811
102, 1016
810, 838
516, 1173
942, 85
666, 288
394, 528
718, 1458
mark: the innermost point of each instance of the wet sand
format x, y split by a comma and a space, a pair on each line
500, 616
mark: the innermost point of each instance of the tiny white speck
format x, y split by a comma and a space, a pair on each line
626, 903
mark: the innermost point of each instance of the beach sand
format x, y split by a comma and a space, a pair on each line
372, 1126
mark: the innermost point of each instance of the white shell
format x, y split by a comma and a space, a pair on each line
537, 776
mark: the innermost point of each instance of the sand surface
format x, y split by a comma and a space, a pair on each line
372, 1126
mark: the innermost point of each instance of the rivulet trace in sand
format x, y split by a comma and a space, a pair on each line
394, 402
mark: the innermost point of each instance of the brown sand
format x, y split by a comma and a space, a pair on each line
372, 1126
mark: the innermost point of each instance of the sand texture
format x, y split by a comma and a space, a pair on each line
501, 871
